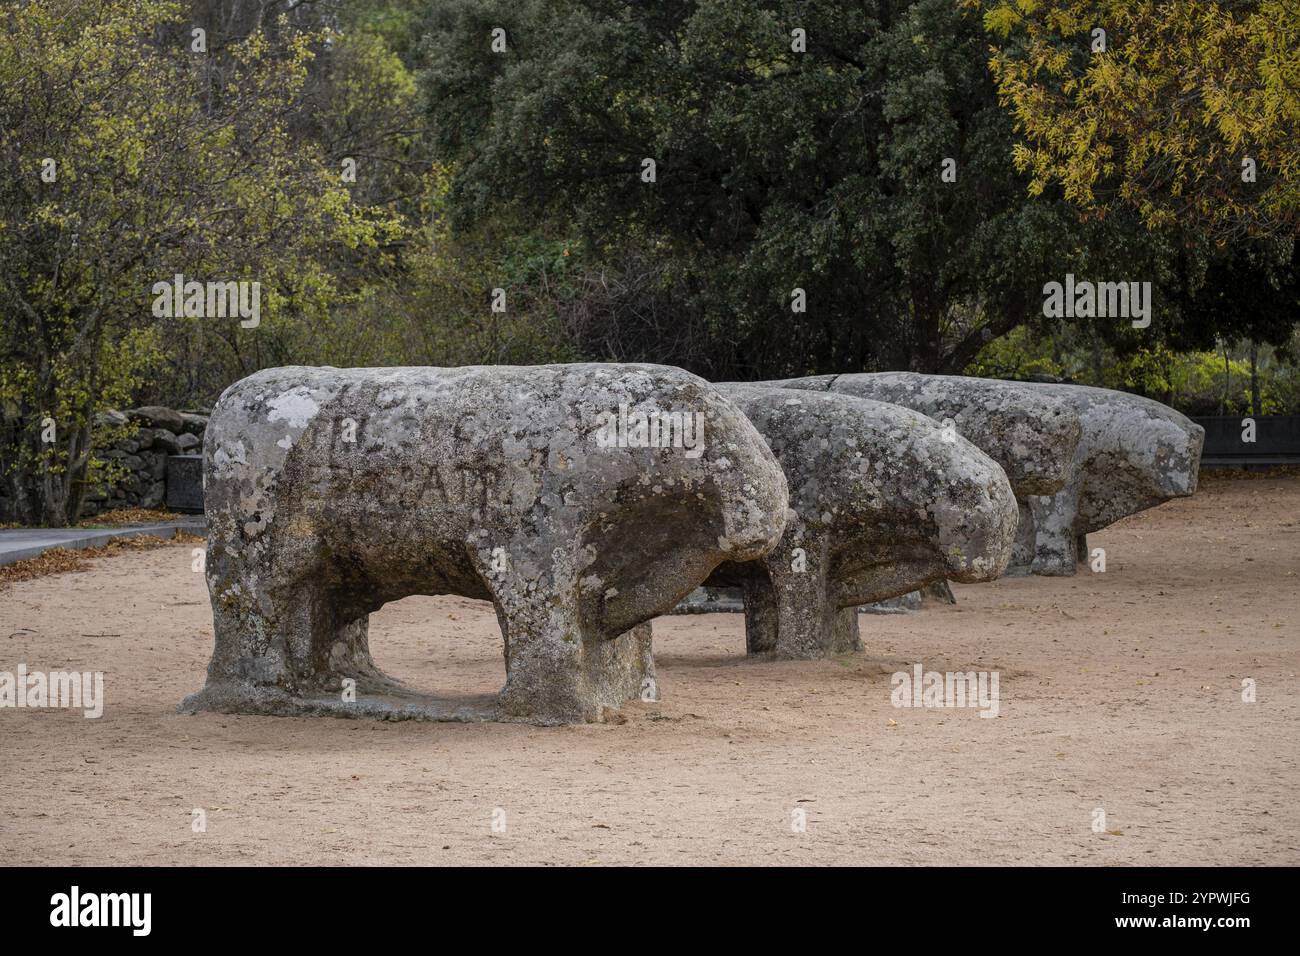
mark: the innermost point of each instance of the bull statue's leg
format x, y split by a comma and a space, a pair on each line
559, 667
1022, 552
555, 674
788, 609
1054, 538
845, 638
761, 625
623, 668
327, 644
811, 629
250, 660
805, 616
939, 592
282, 638
785, 613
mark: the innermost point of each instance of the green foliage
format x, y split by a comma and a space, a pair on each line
775, 169
1196, 382
436, 309
157, 171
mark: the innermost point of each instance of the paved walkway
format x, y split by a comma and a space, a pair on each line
19, 544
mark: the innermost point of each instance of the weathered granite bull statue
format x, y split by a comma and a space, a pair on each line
883, 501
1134, 454
582, 500
1079, 458
1031, 434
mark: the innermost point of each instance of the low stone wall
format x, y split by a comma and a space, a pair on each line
161, 432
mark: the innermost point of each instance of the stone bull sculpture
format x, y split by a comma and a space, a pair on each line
882, 500
1033, 435
1079, 458
582, 500
1134, 454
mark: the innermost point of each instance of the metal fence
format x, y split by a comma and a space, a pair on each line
1250, 440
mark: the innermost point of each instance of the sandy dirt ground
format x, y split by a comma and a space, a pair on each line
1119, 691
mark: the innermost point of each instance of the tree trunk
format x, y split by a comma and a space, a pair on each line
51, 499
1098, 363
1015, 312
75, 475
1254, 379
1227, 381
927, 314
54, 499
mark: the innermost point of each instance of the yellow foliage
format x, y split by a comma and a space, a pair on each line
1183, 93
